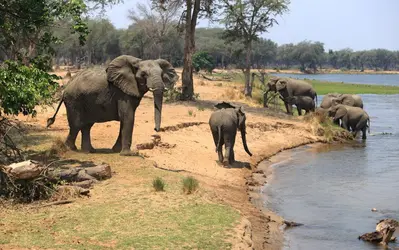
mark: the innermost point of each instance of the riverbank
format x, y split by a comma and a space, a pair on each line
124, 212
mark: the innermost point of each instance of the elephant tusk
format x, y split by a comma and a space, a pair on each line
152, 89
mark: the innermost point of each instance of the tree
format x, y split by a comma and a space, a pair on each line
309, 54
245, 20
27, 44
285, 55
193, 10
202, 60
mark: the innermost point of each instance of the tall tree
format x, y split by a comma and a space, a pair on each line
245, 20
193, 10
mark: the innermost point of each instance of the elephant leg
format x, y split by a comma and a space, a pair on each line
288, 107
118, 144
86, 141
299, 110
219, 149
229, 145
362, 126
71, 138
127, 134
232, 158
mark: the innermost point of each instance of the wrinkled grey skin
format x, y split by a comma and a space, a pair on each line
89, 98
349, 100
353, 118
288, 87
346, 99
224, 124
326, 103
301, 102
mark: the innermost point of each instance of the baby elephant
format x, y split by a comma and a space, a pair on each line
353, 118
301, 102
224, 124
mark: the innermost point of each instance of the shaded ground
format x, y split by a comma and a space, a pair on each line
124, 212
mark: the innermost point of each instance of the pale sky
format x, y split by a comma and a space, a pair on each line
356, 24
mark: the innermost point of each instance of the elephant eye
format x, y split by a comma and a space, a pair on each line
143, 74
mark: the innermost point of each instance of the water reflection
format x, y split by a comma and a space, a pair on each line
331, 189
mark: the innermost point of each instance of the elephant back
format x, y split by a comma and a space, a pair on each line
87, 81
301, 88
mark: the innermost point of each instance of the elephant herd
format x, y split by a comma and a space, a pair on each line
345, 109
95, 95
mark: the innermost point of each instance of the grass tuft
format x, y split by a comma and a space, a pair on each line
158, 184
190, 185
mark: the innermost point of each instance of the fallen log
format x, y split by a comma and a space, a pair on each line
384, 232
100, 172
24, 170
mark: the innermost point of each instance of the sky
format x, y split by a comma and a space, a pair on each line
339, 24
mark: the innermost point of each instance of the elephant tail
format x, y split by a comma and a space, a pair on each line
219, 137
51, 120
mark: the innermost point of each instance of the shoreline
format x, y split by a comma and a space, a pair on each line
261, 175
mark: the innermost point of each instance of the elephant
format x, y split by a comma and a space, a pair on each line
353, 118
326, 103
224, 124
301, 102
349, 100
346, 99
98, 95
223, 105
288, 87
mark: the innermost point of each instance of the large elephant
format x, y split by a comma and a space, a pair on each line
353, 118
98, 95
349, 100
288, 87
301, 102
224, 124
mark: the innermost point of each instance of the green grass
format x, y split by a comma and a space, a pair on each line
158, 184
349, 88
323, 87
190, 185
123, 213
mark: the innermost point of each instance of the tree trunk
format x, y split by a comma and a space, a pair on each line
189, 48
247, 72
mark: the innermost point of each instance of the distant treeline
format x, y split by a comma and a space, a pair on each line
148, 37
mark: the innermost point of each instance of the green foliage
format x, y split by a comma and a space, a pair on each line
202, 60
172, 95
23, 87
190, 185
158, 184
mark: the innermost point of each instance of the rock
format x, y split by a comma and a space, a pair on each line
292, 223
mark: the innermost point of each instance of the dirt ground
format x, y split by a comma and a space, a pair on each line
187, 145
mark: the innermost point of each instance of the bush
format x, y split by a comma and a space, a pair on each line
158, 184
22, 88
203, 61
190, 185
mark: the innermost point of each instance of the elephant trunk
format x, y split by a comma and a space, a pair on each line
158, 98
244, 141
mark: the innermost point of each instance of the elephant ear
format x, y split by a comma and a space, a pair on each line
341, 112
348, 100
281, 84
169, 75
121, 73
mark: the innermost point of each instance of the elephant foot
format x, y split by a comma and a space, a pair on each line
89, 150
117, 148
128, 152
71, 146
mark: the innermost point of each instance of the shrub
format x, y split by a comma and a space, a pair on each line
158, 184
202, 60
190, 185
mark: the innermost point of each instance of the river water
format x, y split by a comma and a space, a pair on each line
332, 189
378, 79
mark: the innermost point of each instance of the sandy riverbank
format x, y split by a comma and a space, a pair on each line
187, 146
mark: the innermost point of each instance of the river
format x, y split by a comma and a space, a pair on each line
378, 79
332, 189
